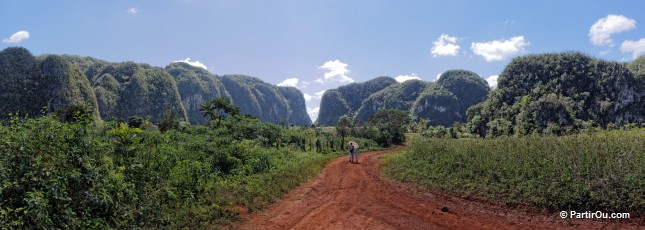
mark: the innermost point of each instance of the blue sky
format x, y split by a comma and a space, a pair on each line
318, 45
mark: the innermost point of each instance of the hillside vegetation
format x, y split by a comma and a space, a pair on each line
347, 99
57, 83
254, 97
446, 101
560, 93
47, 84
439, 103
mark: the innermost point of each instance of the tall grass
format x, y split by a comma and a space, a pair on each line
592, 171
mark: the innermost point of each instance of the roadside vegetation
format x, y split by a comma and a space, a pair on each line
96, 174
593, 170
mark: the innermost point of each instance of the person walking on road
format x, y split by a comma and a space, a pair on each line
353, 152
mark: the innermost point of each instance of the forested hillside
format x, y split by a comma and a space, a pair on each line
33, 85
131, 89
447, 99
253, 96
557, 93
196, 86
265, 101
442, 102
57, 83
347, 99
398, 96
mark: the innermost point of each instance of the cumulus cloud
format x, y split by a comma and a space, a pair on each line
402, 78
293, 82
17, 37
438, 76
336, 72
637, 48
497, 50
307, 96
492, 81
132, 11
319, 95
445, 46
313, 112
600, 32
193, 63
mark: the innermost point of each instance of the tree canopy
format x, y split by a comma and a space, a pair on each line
391, 126
219, 108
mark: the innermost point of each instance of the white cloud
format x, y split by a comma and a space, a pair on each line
497, 50
600, 32
17, 37
293, 82
445, 46
492, 81
637, 48
319, 95
193, 63
307, 96
132, 11
313, 112
604, 52
438, 76
402, 78
336, 72
509, 22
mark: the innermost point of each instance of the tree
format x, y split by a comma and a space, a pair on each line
391, 126
638, 67
217, 108
169, 121
135, 121
422, 125
343, 127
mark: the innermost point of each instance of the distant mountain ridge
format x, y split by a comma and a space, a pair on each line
121, 90
347, 99
442, 102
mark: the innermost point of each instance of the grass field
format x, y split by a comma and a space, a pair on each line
604, 170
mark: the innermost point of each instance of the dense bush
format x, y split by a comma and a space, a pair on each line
109, 175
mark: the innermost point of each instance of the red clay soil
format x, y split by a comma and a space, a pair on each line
356, 196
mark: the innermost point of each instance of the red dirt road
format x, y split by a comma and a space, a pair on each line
355, 196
